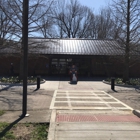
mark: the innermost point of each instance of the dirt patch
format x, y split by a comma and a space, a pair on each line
24, 131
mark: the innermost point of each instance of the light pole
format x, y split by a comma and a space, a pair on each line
25, 55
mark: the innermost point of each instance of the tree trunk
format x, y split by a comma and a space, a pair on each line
126, 69
127, 49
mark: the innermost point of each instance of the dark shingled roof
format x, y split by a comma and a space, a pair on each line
71, 47
76, 46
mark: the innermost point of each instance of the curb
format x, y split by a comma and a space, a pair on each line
16, 84
137, 113
51, 133
118, 84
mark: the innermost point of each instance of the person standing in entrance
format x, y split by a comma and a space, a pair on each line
73, 70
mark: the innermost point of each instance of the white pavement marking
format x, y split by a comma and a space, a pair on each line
99, 100
120, 112
119, 101
85, 108
82, 97
89, 108
53, 100
69, 103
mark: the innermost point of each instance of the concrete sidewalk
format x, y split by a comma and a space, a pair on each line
39, 101
38, 106
97, 131
97, 125
92, 85
77, 124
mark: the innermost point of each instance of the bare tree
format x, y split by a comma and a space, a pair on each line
72, 19
126, 12
13, 10
45, 22
6, 30
46, 26
105, 24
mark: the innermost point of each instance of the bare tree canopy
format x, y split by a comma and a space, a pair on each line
13, 10
73, 19
70, 19
6, 30
126, 12
104, 24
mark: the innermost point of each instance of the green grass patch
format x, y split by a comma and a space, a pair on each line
7, 135
27, 131
40, 132
1, 112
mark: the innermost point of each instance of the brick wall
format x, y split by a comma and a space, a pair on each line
35, 65
40, 66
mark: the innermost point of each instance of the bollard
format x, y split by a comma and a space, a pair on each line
113, 83
38, 82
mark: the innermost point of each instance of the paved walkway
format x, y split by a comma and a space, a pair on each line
86, 99
86, 111
38, 102
93, 125
74, 107
97, 131
97, 124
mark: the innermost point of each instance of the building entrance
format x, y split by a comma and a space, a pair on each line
62, 66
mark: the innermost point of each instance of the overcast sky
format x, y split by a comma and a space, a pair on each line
95, 4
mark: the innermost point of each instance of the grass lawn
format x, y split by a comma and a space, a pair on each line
1, 112
26, 131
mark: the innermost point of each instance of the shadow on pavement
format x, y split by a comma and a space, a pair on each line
36, 89
115, 90
10, 126
6, 88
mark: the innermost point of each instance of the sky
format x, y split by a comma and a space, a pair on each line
95, 4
